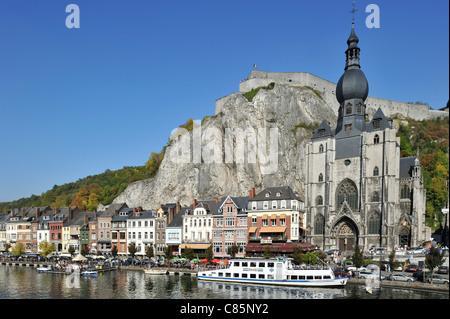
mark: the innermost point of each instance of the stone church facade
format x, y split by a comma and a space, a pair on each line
358, 190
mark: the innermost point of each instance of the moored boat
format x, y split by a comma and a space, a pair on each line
43, 269
89, 273
154, 271
274, 272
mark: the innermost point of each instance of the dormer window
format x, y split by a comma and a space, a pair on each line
278, 194
267, 194
321, 132
377, 123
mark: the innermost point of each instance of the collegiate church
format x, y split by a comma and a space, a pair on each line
358, 190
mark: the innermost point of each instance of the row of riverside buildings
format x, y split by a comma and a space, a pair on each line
272, 218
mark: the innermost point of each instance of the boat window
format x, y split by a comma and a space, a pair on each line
252, 264
236, 275
301, 277
269, 276
270, 264
244, 264
261, 276
326, 277
262, 264
294, 277
318, 277
309, 277
244, 275
227, 274
252, 275
236, 263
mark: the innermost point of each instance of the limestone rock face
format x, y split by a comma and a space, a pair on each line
281, 120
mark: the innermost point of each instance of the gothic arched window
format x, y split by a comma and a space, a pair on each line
374, 223
319, 200
375, 197
375, 171
318, 225
404, 192
347, 192
320, 177
321, 148
376, 139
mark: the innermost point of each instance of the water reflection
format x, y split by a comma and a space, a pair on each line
24, 282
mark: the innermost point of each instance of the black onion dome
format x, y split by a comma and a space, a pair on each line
352, 85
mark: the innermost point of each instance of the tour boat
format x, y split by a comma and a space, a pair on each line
274, 272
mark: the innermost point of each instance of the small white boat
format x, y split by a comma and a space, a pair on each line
43, 269
273, 272
89, 273
153, 271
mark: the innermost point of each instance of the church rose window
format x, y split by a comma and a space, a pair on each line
347, 192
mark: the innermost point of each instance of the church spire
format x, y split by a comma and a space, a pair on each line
352, 53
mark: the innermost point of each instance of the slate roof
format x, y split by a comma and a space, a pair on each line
286, 192
241, 204
406, 165
177, 220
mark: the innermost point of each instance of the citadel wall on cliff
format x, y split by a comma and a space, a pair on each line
327, 92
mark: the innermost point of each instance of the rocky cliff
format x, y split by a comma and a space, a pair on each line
211, 160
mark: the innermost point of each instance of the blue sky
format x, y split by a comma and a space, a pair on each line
75, 102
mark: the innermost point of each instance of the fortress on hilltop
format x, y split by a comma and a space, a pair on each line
327, 92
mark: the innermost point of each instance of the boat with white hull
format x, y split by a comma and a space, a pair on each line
273, 272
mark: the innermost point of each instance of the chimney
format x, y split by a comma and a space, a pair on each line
37, 212
134, 211
55, 210
171, 214
177, 208
86, 218
139, 209
217, 199
22, 211
195, 203
252, 193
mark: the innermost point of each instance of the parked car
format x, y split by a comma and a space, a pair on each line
443, 270
341, 272
368, 274
400, 277
419, 276
437, 279
412, 268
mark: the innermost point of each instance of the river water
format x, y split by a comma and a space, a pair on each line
17, 282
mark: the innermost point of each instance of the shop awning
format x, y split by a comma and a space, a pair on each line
195, 246
304, 228
252, 229
264, 217
272, 229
